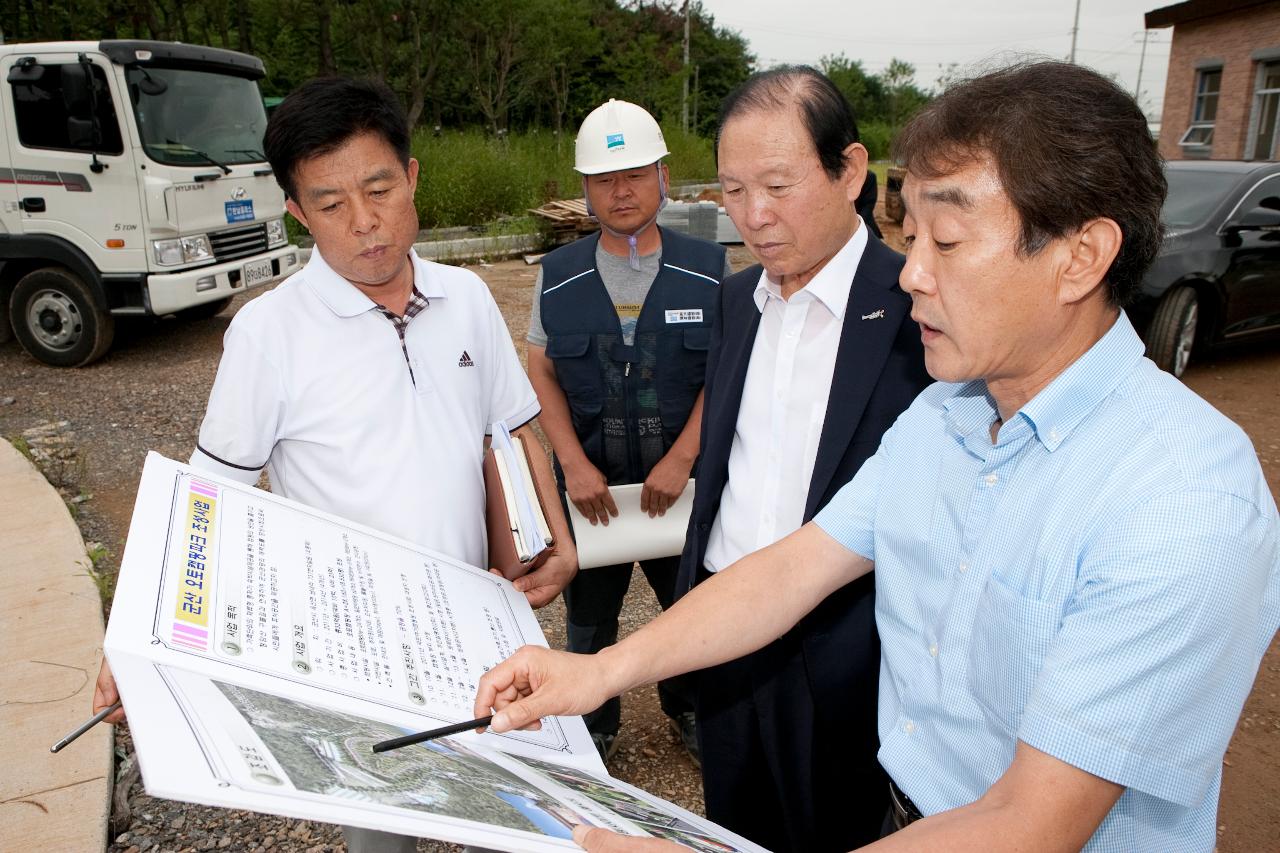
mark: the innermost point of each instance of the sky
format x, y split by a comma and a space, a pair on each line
932, 34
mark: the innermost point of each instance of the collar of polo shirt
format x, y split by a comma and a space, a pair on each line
345, 299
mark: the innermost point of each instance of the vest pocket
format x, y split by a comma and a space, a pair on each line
697, 339
681, 369
577, 370
682, 364
579, 376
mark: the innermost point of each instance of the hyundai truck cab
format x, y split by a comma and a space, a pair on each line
132, 182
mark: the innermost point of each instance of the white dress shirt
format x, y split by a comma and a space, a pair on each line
784, 404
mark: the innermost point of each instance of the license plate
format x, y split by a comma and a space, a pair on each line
257, 272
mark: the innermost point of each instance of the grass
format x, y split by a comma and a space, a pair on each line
103, 579
20, 444
471, 177
511, 225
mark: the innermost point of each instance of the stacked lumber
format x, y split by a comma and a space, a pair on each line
568, 218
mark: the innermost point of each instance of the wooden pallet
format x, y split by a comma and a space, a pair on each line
568, 218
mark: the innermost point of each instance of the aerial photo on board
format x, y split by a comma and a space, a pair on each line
327, 752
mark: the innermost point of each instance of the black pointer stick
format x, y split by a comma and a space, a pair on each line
84, 727
444, 731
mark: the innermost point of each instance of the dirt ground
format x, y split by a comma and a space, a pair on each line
149, 394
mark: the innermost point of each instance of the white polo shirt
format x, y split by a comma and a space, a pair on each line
315, 387
783, 408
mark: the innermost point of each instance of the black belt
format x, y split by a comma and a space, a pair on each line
904, 811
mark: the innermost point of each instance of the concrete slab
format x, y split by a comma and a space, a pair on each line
466, 248
50, 648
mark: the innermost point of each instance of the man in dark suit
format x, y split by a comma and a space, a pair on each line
813, 356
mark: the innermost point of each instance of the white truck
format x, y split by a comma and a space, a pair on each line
132, 182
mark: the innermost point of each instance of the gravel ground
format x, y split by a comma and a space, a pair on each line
92, 427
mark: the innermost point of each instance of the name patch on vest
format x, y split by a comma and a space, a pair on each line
685, 315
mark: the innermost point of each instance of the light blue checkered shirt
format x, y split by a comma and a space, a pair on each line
1100, 584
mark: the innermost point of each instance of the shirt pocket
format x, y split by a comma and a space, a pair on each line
1010, 640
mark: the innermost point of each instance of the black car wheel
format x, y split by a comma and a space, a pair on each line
1172, 334
55, 319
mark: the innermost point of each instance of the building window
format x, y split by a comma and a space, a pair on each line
1207, 86
1199, 136
1266, 112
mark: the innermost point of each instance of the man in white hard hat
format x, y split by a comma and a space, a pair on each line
618, 338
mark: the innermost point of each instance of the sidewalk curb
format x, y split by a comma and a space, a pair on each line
50, 647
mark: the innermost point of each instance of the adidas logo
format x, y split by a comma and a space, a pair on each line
465, 360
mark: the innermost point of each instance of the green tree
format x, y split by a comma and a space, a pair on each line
904, 97
720, 60
865, 92
561, 40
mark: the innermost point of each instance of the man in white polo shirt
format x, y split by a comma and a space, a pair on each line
365, 384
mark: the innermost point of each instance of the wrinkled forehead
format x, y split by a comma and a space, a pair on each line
766, 125
958, 183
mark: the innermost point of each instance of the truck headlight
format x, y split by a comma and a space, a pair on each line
182, 250
196, 248
276, 235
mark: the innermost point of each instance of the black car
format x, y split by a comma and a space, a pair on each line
1217, 277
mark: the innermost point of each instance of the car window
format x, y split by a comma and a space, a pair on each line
1265, 194
1193, 195
51, 115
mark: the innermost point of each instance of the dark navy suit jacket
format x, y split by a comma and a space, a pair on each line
879, 370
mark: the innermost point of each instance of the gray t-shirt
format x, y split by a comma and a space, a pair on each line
627, 288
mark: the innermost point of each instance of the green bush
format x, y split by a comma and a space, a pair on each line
692, 159
877, 136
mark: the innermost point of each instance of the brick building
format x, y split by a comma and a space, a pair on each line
1222, 98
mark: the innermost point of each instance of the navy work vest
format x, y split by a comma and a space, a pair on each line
629, 403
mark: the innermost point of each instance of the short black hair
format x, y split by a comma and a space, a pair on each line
322, 114
824, 109
1069, 145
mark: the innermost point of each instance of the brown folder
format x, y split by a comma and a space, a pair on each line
500, 517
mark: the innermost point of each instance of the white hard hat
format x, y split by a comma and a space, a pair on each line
617, 135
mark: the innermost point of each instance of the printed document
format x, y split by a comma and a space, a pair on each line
262, 647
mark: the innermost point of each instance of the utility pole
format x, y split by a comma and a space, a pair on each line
1142, 58
1075, 30
697, 90
684, 101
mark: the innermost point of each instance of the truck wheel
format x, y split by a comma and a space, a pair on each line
56, 320
6, 328
204, 310
1172, 333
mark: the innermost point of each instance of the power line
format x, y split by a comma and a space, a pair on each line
829, 36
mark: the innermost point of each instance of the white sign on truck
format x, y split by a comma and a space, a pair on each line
132, 182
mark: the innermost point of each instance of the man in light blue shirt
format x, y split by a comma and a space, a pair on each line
1077, 560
